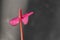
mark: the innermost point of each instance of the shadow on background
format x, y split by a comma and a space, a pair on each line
0, 16
42, 24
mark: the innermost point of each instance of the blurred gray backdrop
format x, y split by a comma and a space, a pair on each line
44, 24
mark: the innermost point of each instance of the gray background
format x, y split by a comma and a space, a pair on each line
41, 26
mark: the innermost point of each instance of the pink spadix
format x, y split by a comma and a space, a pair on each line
25, 17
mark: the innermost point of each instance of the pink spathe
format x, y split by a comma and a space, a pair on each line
25, 17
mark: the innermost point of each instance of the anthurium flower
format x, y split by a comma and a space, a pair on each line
15, 21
